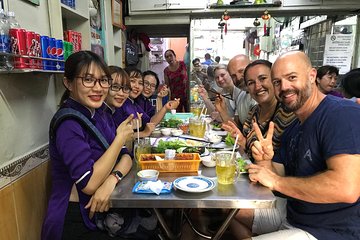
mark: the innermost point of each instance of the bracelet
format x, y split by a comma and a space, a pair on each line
113, 174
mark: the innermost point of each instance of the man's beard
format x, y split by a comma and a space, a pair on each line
302, 96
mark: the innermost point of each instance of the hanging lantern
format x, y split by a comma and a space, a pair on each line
256, 22
226, 15
266, 15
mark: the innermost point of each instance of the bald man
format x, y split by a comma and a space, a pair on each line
242, 99
236, 67
319, 163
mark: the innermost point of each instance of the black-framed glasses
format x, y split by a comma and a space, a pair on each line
117, 87
90, 82
148, 84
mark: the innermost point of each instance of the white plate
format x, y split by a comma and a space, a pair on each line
194, 184
222, 146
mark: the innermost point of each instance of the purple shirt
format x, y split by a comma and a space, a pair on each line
146, 105
130, 107
73, 154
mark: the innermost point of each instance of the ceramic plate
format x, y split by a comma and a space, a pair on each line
194, 184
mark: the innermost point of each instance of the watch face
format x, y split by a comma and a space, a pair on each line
118, 174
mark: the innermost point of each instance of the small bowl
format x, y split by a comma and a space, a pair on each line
208, 161
215, 139
148, 175
166, 131
176, 132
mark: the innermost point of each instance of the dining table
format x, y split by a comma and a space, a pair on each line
243, 194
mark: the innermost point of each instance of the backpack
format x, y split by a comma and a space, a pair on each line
131, 54
65, 113
129, 223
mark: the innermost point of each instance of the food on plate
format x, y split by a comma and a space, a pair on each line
229, 140
171, 123
178, 156
242, 164
216, 125
213, 138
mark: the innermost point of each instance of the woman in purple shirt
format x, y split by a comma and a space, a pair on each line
83, 173
151, 83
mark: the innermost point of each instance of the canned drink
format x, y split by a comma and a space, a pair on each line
30, 48
52, 53
18, 46
60, 55
37, 51
44, 40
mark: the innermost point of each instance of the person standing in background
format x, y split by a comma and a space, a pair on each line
175, 76
217, 59
326, 80
208, 60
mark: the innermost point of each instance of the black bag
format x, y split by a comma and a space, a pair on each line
130, 223
131, 54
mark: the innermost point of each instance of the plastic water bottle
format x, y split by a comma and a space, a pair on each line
4, 42
12, 20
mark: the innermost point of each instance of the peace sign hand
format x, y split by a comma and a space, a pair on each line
262, 149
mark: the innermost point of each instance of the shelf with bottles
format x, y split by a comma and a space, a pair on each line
9, 62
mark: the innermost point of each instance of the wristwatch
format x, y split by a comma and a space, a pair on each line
118, 175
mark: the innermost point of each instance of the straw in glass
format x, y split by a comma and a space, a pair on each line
233, 151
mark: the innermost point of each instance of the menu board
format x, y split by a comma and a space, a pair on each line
338, 51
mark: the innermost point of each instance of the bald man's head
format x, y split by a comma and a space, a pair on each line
236, 67
293, 79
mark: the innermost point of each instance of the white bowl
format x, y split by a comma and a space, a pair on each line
215, 139
176, 132
148, 175
166, 131
208, 161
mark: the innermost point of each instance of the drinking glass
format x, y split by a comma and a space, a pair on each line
197, 127
141, 147
226, 167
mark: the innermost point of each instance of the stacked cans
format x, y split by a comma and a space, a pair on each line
18, 47
75, 38
52, 50
68, 49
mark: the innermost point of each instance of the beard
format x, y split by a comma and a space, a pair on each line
302, 96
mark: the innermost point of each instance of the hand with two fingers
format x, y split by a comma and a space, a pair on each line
233, 130
262, 149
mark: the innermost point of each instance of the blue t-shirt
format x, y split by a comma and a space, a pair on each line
332, 129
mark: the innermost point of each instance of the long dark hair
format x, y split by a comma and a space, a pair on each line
79, 61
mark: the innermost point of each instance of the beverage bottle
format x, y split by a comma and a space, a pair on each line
4, 42
12, 20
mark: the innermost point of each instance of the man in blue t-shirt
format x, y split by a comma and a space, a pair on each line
319, 163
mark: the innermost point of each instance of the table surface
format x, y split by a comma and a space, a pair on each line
242, 194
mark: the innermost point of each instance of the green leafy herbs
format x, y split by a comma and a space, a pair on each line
229, 140
170, 123
241, 164
174, 144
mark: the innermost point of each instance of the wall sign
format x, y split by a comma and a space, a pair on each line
338, 51
116, 13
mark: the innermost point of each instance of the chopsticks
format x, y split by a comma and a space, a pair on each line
227, 95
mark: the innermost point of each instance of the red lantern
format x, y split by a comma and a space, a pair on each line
266, 15
226, 15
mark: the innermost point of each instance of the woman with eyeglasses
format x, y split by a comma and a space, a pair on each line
83, 172
141, 120
151, 83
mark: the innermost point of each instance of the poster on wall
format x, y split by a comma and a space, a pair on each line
338, 51
96, 26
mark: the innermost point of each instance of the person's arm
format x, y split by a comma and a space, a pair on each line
204, 95
100, 200
164, 91
339, 183
167, 82
104, 165
220, 106
168, 106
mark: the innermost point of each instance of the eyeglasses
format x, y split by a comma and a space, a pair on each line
116, 88
147, 84
90, 82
